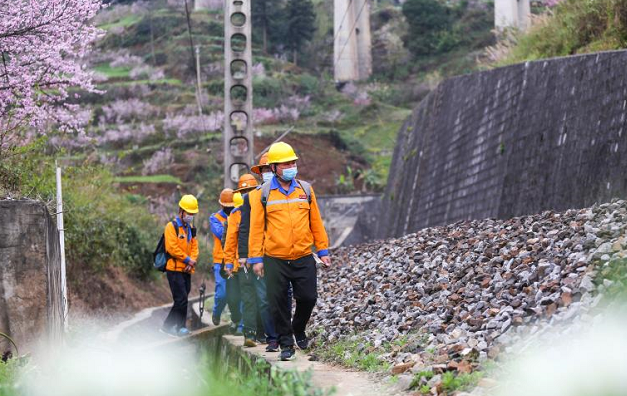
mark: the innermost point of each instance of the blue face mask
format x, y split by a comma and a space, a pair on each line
267, 176
290, 173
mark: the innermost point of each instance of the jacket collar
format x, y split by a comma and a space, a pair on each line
275, 185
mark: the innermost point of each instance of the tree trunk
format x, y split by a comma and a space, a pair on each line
265, 37
295, 56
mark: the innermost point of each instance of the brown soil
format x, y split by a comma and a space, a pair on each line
320, 161
116, 294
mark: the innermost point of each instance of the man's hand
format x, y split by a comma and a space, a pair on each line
188, 268
192, 262
229, 272
258, 269
326, 260
242, 262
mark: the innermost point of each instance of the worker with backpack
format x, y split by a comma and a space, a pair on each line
285, 223
181, 253
263, 307
241, 270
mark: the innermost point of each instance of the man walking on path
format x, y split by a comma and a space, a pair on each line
262, 169
181, 246
284, 225
217, 221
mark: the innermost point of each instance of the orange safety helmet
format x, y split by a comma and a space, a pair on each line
226, 198
246, 182
263, 161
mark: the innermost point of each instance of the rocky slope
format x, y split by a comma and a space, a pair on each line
466, 291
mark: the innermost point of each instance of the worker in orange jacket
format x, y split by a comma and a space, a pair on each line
217, 221
242, 271
284, 226
181, 246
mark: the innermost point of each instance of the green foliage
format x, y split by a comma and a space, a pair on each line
428, 23
614, 273
415, 382
9, 372
452, 382
352, 353
257, 378
573, 27
436, 28
266, 22
268, 92
309, 85
299, 25
102, 228
345, 182
113, 72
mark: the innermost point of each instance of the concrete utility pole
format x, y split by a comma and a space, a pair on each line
512, 14
352, 45
238, 91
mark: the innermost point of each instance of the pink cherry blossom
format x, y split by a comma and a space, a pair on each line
43, 44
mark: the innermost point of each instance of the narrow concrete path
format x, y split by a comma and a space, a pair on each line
323, 376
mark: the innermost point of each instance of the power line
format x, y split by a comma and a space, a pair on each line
342, 21
350, 33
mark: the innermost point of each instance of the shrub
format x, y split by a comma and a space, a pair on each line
102, 228
573, 27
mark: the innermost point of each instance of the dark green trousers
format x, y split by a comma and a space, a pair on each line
249, 301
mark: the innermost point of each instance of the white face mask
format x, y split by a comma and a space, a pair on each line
267, 176
188, 219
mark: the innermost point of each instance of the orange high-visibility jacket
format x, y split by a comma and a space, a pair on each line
217, 228
288, 226
230, 245
182, 248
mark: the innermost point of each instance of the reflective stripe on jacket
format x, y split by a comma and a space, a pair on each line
217, 228
288, 227
181, 249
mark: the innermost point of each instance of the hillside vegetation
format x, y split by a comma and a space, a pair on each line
572, 27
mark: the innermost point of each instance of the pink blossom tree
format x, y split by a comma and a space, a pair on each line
42, 45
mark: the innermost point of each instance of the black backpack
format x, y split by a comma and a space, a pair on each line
160, 257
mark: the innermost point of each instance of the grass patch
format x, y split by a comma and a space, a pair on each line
113, 72
126, 21
354, 354
613, 277
148, 179
9, 371
452, 382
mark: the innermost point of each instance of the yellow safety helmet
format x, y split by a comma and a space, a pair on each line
246, 182
238, 200
226, 198
281, 152
263, 161
189, 203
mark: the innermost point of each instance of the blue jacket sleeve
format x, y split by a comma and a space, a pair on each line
217, 228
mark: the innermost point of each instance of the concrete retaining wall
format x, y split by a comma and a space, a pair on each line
511, 141
30, 278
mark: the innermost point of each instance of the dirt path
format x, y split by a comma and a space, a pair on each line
323, 376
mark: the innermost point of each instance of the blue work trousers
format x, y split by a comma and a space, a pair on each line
219, 299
